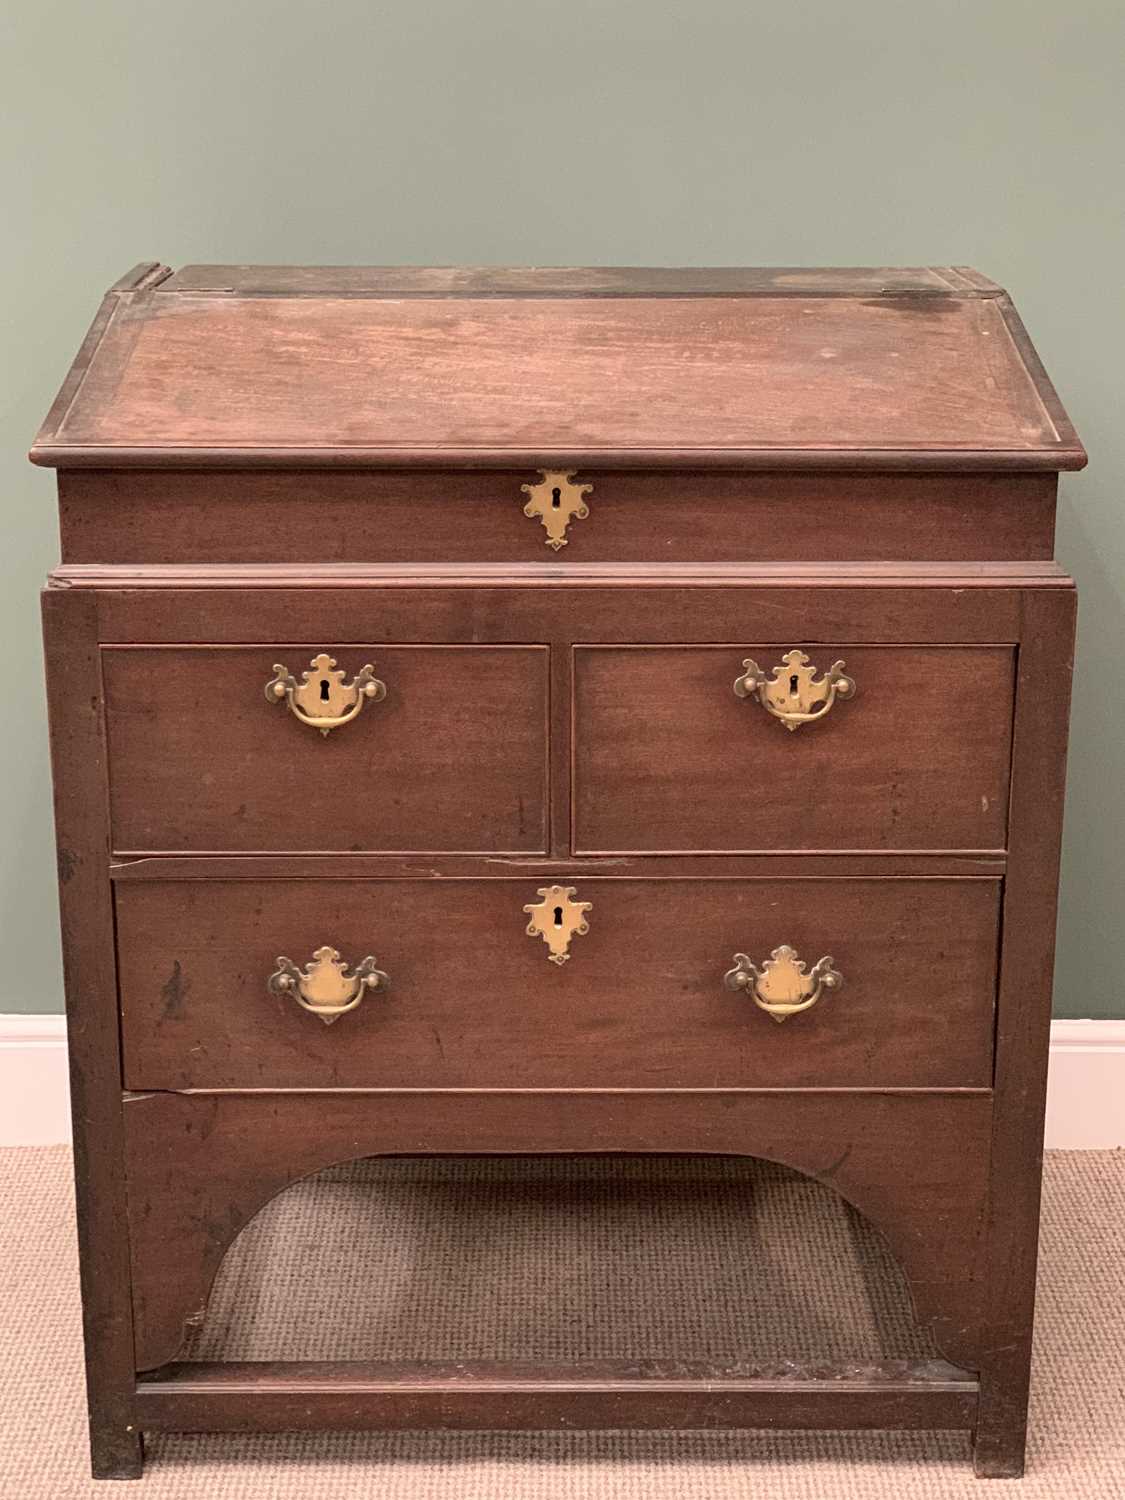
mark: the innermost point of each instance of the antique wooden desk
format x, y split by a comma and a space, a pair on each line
630, 707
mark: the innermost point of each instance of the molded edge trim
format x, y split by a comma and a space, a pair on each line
1085, 1090
892, 575
1066, 456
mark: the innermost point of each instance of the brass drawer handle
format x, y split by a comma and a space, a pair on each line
781, 987
556, 919
794, 694
557, 501
324, 987
322, 699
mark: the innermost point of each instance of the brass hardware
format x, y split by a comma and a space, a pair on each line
556, 919
324, 987
781, 987
556, 500
794, 691
322, 699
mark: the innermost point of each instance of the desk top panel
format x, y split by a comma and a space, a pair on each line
721, 367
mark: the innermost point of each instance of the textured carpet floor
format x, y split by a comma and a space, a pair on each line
677, 1257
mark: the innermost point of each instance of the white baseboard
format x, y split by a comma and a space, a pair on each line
1086, 1086
1085, 1094
34, 1089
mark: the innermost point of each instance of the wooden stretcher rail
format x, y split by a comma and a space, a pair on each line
279, 1397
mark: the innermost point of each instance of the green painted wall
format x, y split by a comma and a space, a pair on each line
599, 131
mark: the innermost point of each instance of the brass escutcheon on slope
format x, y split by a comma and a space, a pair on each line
557, 501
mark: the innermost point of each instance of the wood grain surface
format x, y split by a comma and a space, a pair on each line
666, 758
265, 1396
742, 381
390, 516
263, 463
1023, 1028
580, 281
201, 1165
454, 758
640, 1003
78, 755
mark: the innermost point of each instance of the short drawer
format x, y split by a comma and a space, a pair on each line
451, 758
475, 1001
668, 758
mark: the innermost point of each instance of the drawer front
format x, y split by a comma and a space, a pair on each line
668, 759
453, 758
249, 516
475, 1001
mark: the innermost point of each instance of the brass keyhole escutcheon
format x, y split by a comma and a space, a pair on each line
793, 692
557, 918
557, 501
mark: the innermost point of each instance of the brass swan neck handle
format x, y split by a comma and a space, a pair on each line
793, 693
322, 699
781, 987
324, 987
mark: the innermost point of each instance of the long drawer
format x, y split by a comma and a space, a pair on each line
899, 976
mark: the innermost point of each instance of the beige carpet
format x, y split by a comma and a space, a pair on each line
675, 1257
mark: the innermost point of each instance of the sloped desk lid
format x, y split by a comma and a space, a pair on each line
314, 366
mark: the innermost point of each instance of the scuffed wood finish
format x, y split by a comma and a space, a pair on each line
262, 1396
838, 578
392, 516
145, 274
860, 464
581, 281
906, 379
1023, 1029
74, 698
640, 1003
518, 605
680, 867
201, 1165
667, 758
453, 758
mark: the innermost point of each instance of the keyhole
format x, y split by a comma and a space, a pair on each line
556, 497
793, 685
324, 689
558, 916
